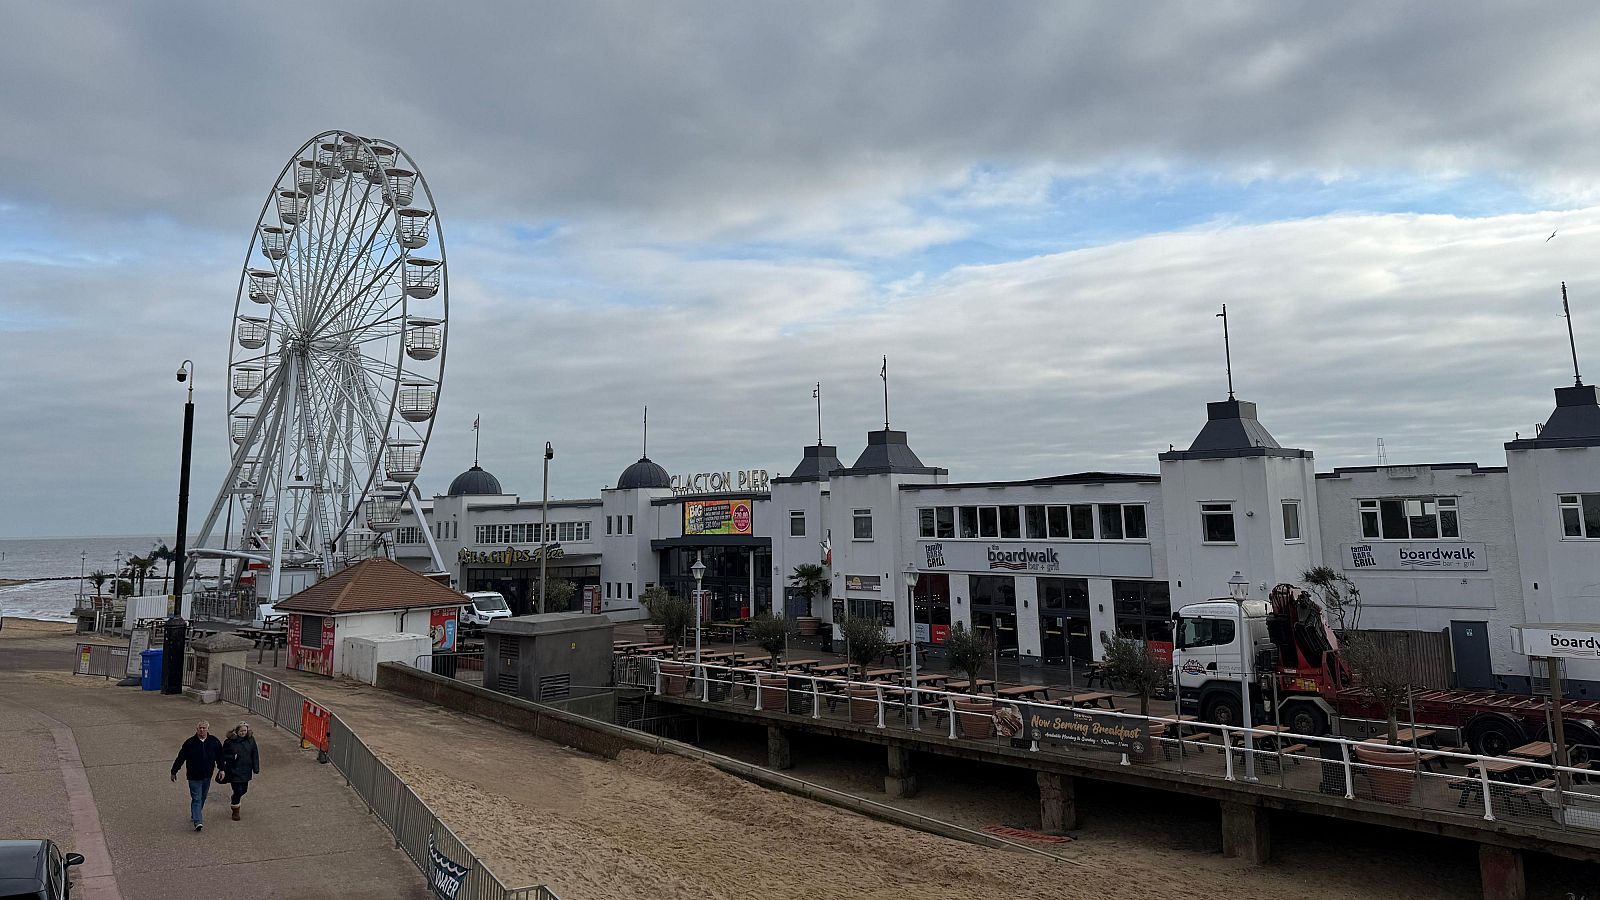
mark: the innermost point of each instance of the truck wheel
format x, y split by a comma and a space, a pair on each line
1493, 735
1583, 744
1305, 718
1221, 709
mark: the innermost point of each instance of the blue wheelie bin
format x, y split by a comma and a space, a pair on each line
150, 670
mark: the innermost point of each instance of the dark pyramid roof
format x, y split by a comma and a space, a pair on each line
888, 453
643, 474
1232, 429
1575, 422
474, 481
819, 460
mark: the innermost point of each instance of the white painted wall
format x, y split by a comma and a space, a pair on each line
1430, 601
1560, 576
808, 497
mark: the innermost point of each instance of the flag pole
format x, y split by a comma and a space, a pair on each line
817, 393
884, 374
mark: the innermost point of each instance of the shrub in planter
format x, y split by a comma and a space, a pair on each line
975, 718
1393, 771
771, 634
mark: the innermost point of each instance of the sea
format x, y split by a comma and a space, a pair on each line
64, 558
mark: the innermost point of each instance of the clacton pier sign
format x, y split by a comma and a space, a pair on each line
753, 481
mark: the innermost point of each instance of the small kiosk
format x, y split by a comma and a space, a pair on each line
373, 597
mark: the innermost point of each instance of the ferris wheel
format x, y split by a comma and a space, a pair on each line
335, 358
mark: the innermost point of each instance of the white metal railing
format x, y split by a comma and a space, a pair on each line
1492, 788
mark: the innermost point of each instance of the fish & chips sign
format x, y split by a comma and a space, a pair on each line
508, 556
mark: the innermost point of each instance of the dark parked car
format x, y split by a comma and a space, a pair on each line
35, 870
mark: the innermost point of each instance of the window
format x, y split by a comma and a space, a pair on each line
1082, 522
1010, 522
608, 524
1580, 516
797, 523
1110, 522
630, 590
1143, 609
988, 521
630, 524
1034, 518
1409, 518
1133, 522
1291, 521
409, 534
1205, 633
944, 521
1216, 523
863, 524
608, 590
311, 632
1056, 517
969, 522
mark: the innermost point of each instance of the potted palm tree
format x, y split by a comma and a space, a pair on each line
864, 641
967, 652
1385, 677
811, 580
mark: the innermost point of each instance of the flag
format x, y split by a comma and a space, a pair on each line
884, 372
475, 422
817, 391
827, 548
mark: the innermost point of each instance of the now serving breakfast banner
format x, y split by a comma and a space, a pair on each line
1090, 729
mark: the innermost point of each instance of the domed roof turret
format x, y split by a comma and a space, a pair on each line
474, 481
643, 474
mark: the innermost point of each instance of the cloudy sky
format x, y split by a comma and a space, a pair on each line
1034, 209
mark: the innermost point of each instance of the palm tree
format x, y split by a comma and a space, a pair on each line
164, 554
98, 579
811, 580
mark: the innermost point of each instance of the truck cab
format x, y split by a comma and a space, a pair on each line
483, 607
1281, 647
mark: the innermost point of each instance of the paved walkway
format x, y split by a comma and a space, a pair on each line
86, 763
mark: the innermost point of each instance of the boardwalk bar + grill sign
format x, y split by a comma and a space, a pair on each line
1085, 728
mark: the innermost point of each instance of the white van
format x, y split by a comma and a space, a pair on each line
484, 607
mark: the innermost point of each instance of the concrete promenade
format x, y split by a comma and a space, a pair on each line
86, 763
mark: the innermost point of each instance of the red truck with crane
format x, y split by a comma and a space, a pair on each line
1292, 659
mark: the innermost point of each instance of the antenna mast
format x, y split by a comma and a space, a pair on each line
1566, 311
817, 393
644, 450
1227, 347
884, 374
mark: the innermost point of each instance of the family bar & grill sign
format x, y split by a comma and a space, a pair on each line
1085, 728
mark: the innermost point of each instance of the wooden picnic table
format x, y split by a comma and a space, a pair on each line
799, 663
1027, 691
965, 685
1535, 750
1089, 698
732, 630
1497, 766
717, 655
876, 674
933, 678
831, 668
652, 648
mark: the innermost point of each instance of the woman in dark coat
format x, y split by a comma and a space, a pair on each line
239, 763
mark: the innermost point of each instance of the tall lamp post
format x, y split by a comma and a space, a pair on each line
544, 524
83, 565
1239, 588
699, 571
911, 619
180, 553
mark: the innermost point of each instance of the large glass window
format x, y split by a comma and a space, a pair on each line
988, 521
1082, 522
1034, 519
1580, 516
1143, 609
925, 522
863, 524
1409, 518
1056, 518
1110, 522
993, 590
1010, 522
969, 521
1216, 523
1067, 594
1133, 522
944, 522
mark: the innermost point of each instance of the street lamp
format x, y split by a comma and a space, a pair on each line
911, 617
83, 565
544, 524
185, 376
1239, 588
699, 571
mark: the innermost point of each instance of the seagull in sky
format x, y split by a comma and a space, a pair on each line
1552, 234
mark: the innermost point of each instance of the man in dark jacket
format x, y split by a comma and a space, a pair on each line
199, 754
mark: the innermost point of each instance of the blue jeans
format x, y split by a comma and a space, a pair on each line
198, 789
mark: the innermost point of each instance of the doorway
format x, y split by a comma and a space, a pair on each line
1469, 644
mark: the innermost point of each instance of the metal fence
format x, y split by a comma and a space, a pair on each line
104, 660
417, 829
1423, 777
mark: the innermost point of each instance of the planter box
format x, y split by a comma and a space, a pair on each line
808, 625
975, 719
863, 707
674, 678
655, 634
1394, 775
774, 693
